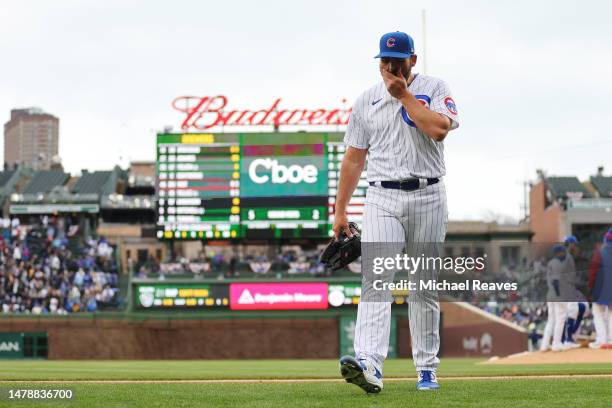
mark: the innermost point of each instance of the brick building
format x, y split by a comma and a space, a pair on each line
31, 139
560, 206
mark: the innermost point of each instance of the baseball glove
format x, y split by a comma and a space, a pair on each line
342, 250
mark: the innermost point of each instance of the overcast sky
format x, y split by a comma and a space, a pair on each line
531, 79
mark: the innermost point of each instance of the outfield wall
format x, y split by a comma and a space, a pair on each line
184, 339
471, 332
466, 331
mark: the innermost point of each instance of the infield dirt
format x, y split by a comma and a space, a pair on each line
582, 355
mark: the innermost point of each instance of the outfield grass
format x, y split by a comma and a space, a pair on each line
515, 393
253, 369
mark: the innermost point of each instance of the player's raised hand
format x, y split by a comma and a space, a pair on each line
396, 84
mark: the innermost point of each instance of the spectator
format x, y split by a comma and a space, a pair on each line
41, 273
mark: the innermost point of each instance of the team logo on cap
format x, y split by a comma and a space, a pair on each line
450, 105
391, 42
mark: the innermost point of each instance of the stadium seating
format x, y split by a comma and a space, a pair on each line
49, 267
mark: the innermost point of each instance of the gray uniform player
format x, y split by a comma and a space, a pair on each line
557, 296
399, 124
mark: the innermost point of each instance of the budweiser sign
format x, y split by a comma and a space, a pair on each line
205, 112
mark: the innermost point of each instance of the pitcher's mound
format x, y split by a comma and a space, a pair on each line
582, 355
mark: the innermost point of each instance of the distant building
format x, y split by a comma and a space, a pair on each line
560, 206
31, 139
506, 245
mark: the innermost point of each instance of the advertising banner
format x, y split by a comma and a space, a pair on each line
278, 296
296, 170
344, 294
172, 296
11, 345
346, 327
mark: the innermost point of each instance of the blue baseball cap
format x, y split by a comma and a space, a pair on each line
396, 45
558, 248
570, 239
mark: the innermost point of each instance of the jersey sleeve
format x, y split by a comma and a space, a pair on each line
443, 102
357, 134
594, 266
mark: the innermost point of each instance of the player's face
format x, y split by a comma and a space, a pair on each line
398, 66
560, 255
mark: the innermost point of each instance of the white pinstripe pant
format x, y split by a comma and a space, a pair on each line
405, 218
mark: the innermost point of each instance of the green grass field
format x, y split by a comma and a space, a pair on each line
455, 392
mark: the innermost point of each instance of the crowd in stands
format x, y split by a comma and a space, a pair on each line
286, 263
48, 266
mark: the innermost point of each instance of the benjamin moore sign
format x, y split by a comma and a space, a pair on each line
278, 296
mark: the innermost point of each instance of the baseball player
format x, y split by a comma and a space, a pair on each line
577, 308
557, 309
400, 125
600, 280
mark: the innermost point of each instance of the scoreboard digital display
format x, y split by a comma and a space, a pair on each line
249, 185
188, 295
266, 295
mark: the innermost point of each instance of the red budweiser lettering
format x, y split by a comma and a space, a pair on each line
205, 112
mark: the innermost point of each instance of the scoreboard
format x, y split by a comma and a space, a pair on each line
260, 295
249, 185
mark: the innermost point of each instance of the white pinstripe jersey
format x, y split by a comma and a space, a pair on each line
397, 149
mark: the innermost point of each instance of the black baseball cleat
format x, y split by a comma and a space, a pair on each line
362, 373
